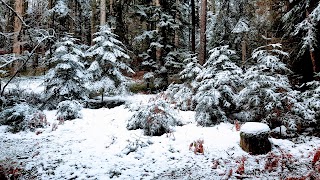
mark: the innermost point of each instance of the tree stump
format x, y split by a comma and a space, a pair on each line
254, 138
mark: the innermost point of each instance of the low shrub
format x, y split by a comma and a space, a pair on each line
22, 117
181, 95
156, 118
69, 110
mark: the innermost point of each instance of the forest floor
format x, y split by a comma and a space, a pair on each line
99, 146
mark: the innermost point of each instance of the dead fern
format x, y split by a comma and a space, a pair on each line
197, 146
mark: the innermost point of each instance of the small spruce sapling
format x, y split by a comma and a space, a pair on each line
109, 63
217, 86
181, 94
66, 80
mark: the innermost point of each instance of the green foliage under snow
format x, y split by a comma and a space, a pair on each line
155, 118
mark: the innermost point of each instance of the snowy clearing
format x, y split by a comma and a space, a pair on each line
99, 146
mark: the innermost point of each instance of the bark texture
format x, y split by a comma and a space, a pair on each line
203, 25
255, 143
103, 15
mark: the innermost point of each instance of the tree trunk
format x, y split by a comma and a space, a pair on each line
18, 6
17, 26
158, 50
244, 49
311, 49
313, 60
176, 33
72, 28
93, 20
111, 7
193, 28
203, 26
103, 15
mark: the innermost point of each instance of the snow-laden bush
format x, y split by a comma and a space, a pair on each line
156, 118
266, 93
191, 69
181, 96
310, 110
22, 117
217, 86
69, 110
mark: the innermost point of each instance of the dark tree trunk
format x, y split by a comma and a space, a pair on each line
193, 28
203, 25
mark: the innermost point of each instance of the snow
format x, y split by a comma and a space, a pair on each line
25, 84
99, 146
254, 128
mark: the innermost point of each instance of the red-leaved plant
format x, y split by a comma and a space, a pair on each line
237, 125
272, 162
316, 157
241, 162
316, 161
197, 146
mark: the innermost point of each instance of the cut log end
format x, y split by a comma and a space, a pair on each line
254, 138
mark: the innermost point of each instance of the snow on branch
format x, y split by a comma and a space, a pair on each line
11, 9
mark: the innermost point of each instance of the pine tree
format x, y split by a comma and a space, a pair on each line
217, 86
265, 84
310, 110
109, 62
181, 94
160, 55
66, 80
302, 22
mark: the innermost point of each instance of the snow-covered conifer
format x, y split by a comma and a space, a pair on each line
265, 84
22, 117
109, 61
217, 86
66, 80
181, 94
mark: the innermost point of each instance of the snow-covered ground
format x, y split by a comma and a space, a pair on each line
99, 146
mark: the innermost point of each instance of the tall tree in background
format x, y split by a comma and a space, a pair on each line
203, 26
18, 5
93, 20
193, 27
302, 22
103, 13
